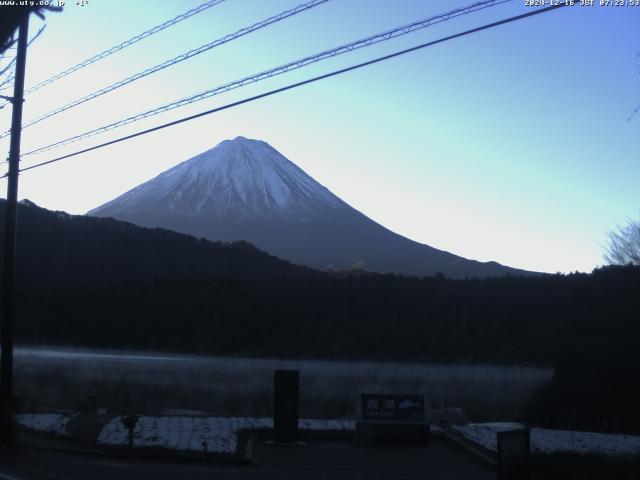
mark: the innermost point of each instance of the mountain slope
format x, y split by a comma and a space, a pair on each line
246, 190
56, 249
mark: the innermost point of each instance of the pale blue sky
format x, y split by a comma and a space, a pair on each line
511, 144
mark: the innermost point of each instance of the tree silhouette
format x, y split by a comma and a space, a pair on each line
624, 245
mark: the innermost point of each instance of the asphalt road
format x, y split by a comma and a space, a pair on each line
316, 460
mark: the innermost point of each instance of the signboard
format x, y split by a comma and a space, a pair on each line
392, 408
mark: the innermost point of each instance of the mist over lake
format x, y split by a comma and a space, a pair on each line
54, 379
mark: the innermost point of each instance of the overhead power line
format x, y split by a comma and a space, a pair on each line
299, 63
125, 44
180, 58
300, 84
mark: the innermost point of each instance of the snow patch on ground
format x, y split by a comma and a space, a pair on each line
44, 422
320, 425
553, 441
200, 434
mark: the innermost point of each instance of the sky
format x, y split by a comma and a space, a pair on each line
513, 144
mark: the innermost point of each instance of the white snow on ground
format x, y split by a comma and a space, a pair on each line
221, 433
191, 433
44, 422
551, 441
326, 425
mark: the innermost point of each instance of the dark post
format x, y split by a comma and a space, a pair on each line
514, 447
129, 423
9, 251
286, 405
93, 396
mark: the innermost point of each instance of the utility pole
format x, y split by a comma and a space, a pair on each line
9, 250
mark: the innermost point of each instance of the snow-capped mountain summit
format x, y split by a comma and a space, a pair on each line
239, 179
244, 189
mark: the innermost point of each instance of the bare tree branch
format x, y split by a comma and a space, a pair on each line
624, 245
7, 81
11, 16
13, 60
8, 66
637, 109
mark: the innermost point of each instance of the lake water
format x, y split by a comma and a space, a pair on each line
54, 379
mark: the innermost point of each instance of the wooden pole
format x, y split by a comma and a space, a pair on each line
9, 250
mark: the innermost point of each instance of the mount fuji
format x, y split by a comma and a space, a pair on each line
246, 190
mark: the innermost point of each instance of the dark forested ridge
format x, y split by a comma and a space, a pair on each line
531, 320
181, 294
104, 283
62, 250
